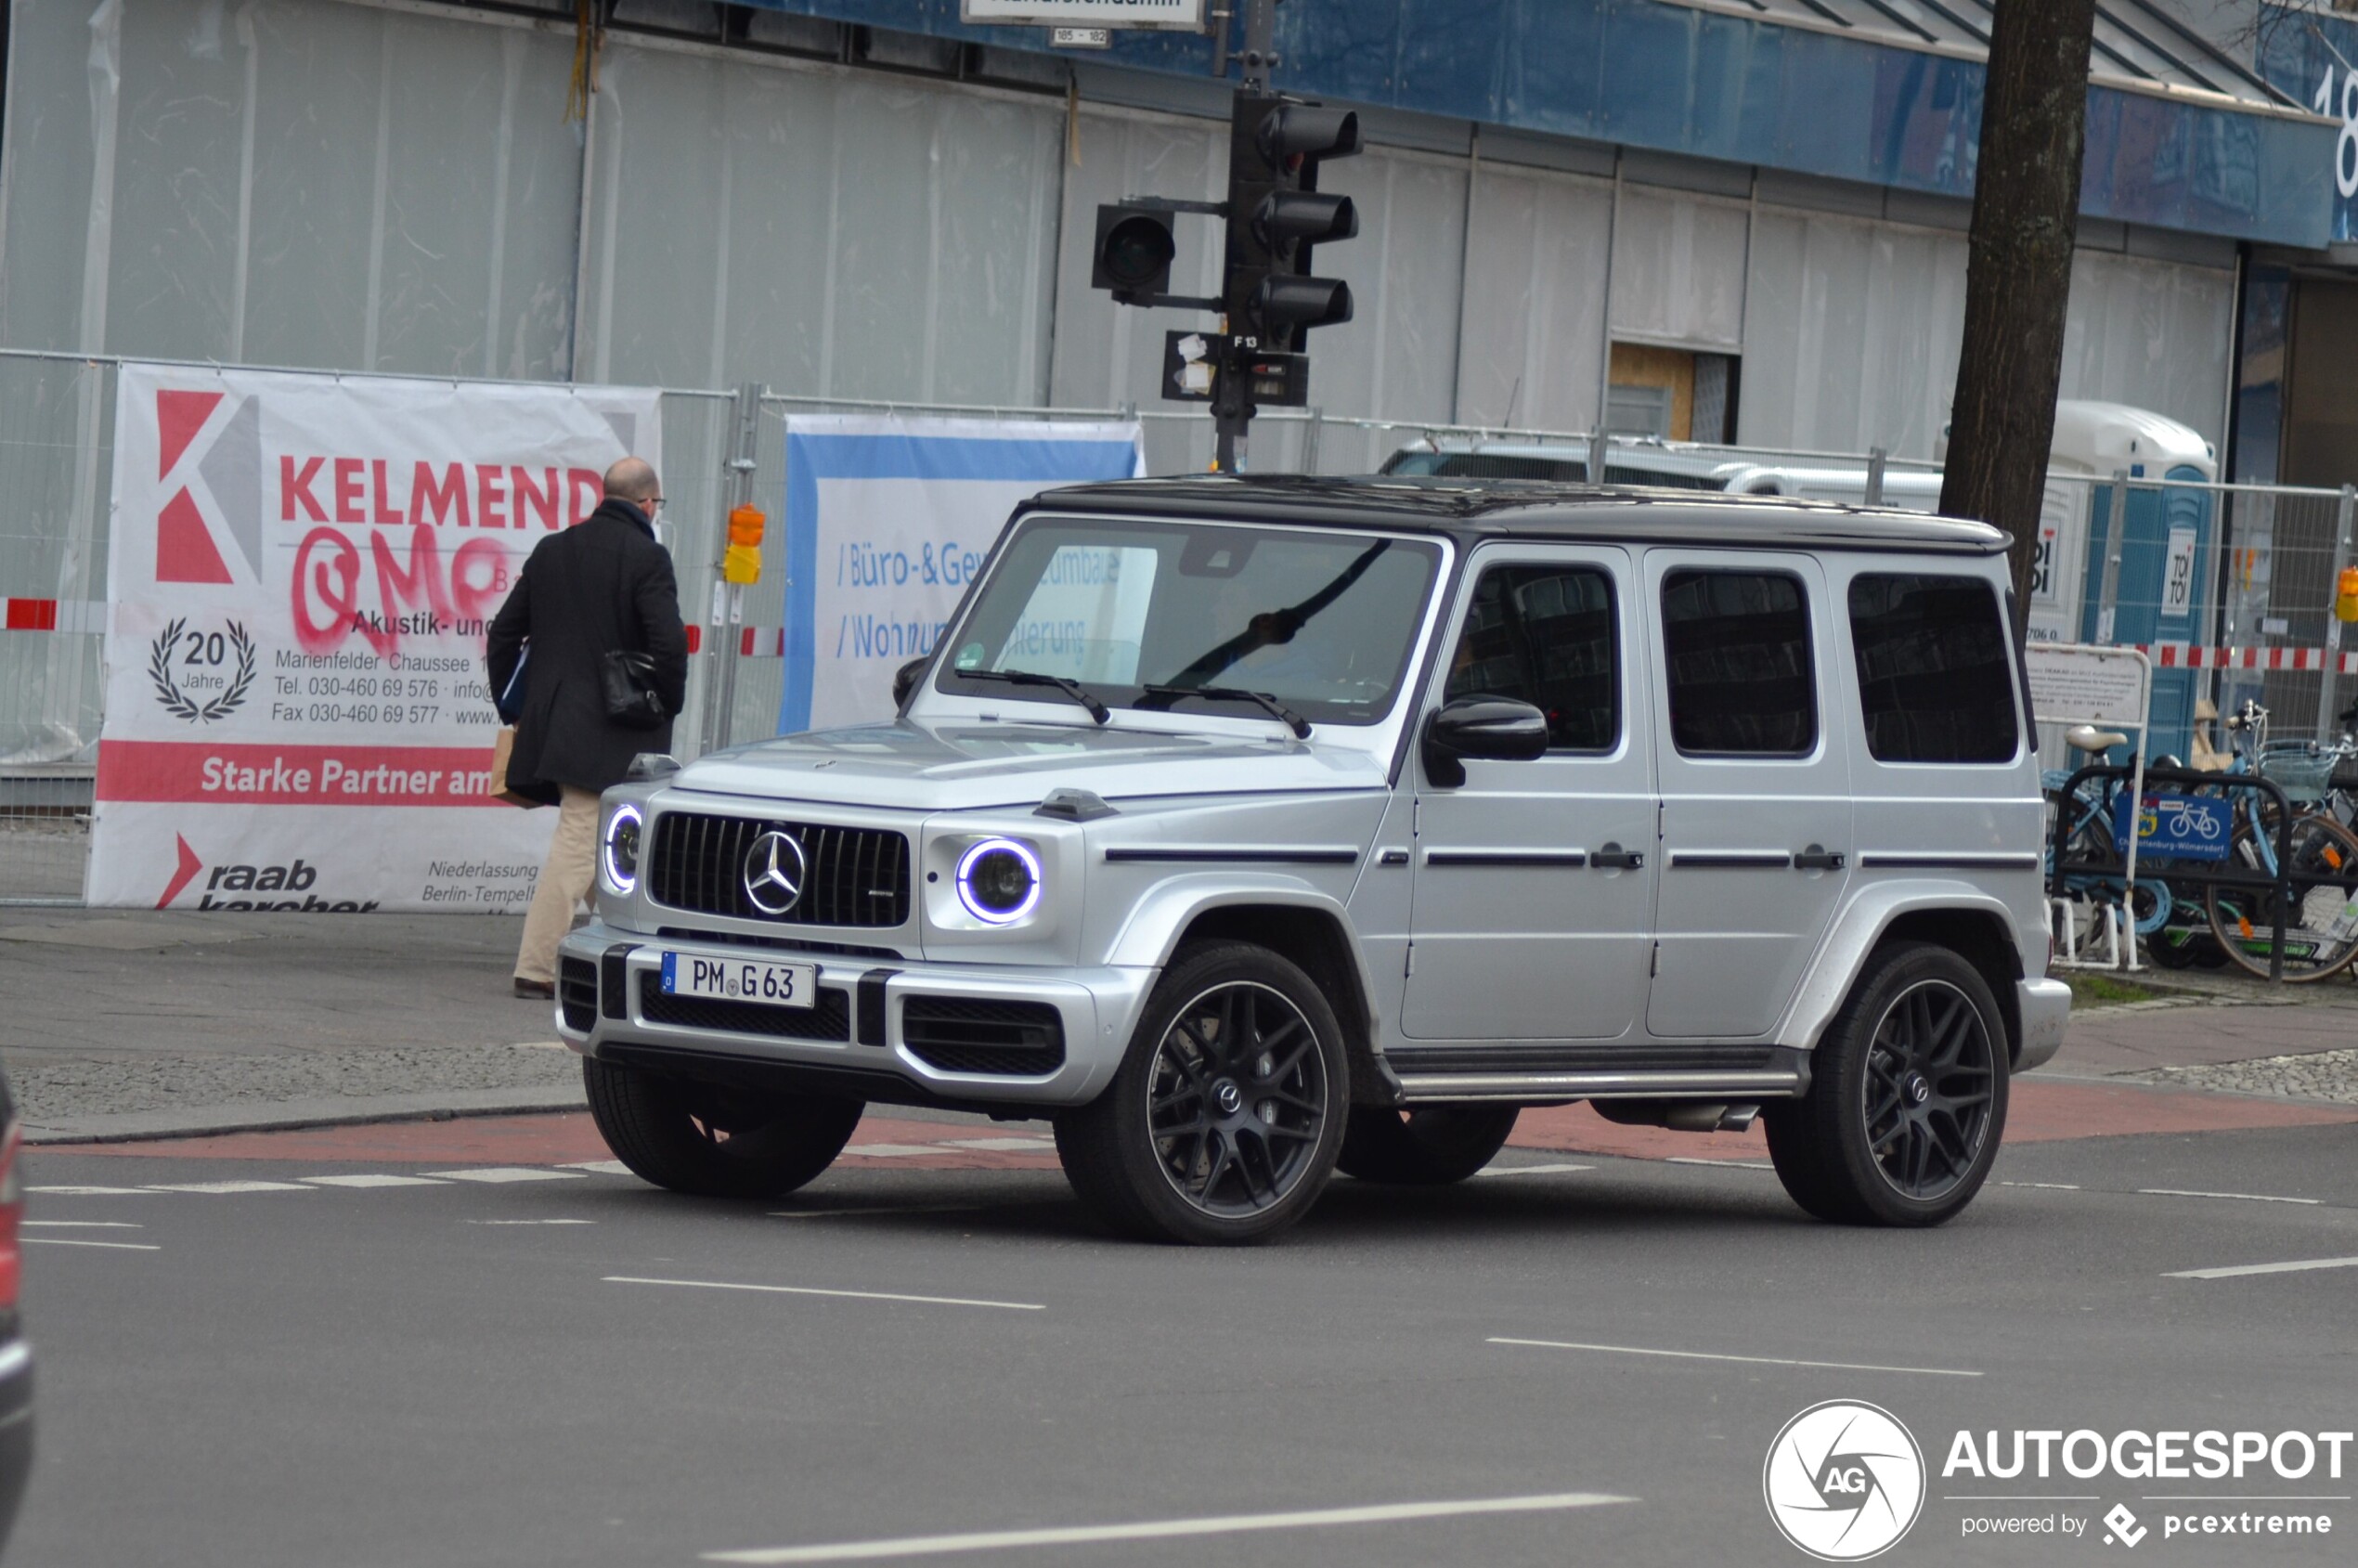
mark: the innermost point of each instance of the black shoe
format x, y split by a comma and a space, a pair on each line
541, 989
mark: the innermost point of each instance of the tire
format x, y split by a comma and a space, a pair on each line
2324, 880
1431, 1146
713, 1141
1908, 1100
1223, 1124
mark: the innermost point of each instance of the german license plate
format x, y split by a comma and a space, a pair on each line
741, 979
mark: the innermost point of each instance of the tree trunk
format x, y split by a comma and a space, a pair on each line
2034, 120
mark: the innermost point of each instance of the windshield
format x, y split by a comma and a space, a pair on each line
1145, 615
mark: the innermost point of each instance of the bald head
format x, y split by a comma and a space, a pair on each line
632, 480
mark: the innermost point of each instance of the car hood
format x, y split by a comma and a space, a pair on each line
969, 766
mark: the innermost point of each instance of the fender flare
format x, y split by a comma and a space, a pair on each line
1155, 925
1862, 923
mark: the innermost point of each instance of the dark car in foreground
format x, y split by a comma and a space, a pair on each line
16, 1357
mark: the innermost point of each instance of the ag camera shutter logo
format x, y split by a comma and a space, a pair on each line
1845, 1481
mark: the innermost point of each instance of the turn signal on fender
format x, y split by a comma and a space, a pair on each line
742, 563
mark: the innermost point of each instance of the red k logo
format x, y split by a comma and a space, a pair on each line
228, 470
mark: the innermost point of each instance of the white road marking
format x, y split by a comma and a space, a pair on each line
1749, 1360
893, 1152
1165, 1529
2245, 1196
876, 1212
1008, 1144
812, 1291
1719, 1164
90, 1191
82, 1224
1531, 1170
532, 1221
373, 1179
2051, 1187
598, 1167
509, 1174
229, 1186
112, 1246
2301, 1266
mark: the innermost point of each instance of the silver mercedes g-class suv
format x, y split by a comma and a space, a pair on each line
1250, 828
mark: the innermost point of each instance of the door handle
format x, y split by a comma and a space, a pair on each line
1613, 857
1818, 857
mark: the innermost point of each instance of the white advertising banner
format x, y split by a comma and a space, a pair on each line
1186, 14
887, 520
299, 574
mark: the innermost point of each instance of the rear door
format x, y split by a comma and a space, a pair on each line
1754, 772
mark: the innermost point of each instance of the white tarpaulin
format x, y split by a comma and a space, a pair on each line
887, 520
300, 572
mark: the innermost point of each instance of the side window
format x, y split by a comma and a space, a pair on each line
1742, 683
1546, 634
1934, 677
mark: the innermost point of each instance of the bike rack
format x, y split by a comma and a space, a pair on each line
2195, 873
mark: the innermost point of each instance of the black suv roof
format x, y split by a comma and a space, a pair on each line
1525, 509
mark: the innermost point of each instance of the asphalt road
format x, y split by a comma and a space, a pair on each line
456, 1370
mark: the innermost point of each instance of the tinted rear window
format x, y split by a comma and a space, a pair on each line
1935, 680
1740, 679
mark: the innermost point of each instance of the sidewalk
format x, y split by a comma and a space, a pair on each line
124, 1024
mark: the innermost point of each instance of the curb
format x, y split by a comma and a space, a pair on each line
281, 1116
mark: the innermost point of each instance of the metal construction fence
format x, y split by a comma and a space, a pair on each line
2232, 588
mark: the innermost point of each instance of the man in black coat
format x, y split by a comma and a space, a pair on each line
587, 592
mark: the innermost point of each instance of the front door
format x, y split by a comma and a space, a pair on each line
1754, 772
1534, 881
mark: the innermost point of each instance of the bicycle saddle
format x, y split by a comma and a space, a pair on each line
2087, 738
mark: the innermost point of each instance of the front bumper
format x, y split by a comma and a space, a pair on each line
857, 1041
2045, 1008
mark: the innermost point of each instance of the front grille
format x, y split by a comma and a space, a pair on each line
1007, 1039
857, 875
577, 992
831, 1019
789, 944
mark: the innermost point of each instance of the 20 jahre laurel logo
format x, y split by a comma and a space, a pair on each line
1845, 1481
201, 676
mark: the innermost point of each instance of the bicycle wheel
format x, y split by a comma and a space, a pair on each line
2320, 917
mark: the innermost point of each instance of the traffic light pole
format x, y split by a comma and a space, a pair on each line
1232, 408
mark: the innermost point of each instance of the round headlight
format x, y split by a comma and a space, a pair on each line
999, 881
623, 833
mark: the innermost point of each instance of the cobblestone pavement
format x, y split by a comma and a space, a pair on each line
53, 1089
2320, 1075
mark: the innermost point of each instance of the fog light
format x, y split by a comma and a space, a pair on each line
999, 881
622, 850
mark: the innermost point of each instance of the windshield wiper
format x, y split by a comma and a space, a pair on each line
1072, 689
1275, 710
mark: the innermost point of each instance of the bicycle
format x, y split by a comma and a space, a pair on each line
2318, 889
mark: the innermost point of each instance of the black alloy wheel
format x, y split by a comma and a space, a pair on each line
1928, 1090
1223, 1123
1236, 1099
1907, 1098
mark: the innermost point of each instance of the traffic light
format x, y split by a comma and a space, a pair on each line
1277, 215
1134, 252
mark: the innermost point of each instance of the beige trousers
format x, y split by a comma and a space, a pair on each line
565, 881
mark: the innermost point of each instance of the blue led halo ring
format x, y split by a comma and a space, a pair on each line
973, 903
616, 878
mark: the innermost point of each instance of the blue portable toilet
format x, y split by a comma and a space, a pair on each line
2168, 566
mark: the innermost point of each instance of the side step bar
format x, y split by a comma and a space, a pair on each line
1424, 1088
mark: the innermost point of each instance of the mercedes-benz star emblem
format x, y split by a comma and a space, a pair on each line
775, 870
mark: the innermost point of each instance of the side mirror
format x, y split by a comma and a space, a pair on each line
1489, 728
905, 678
